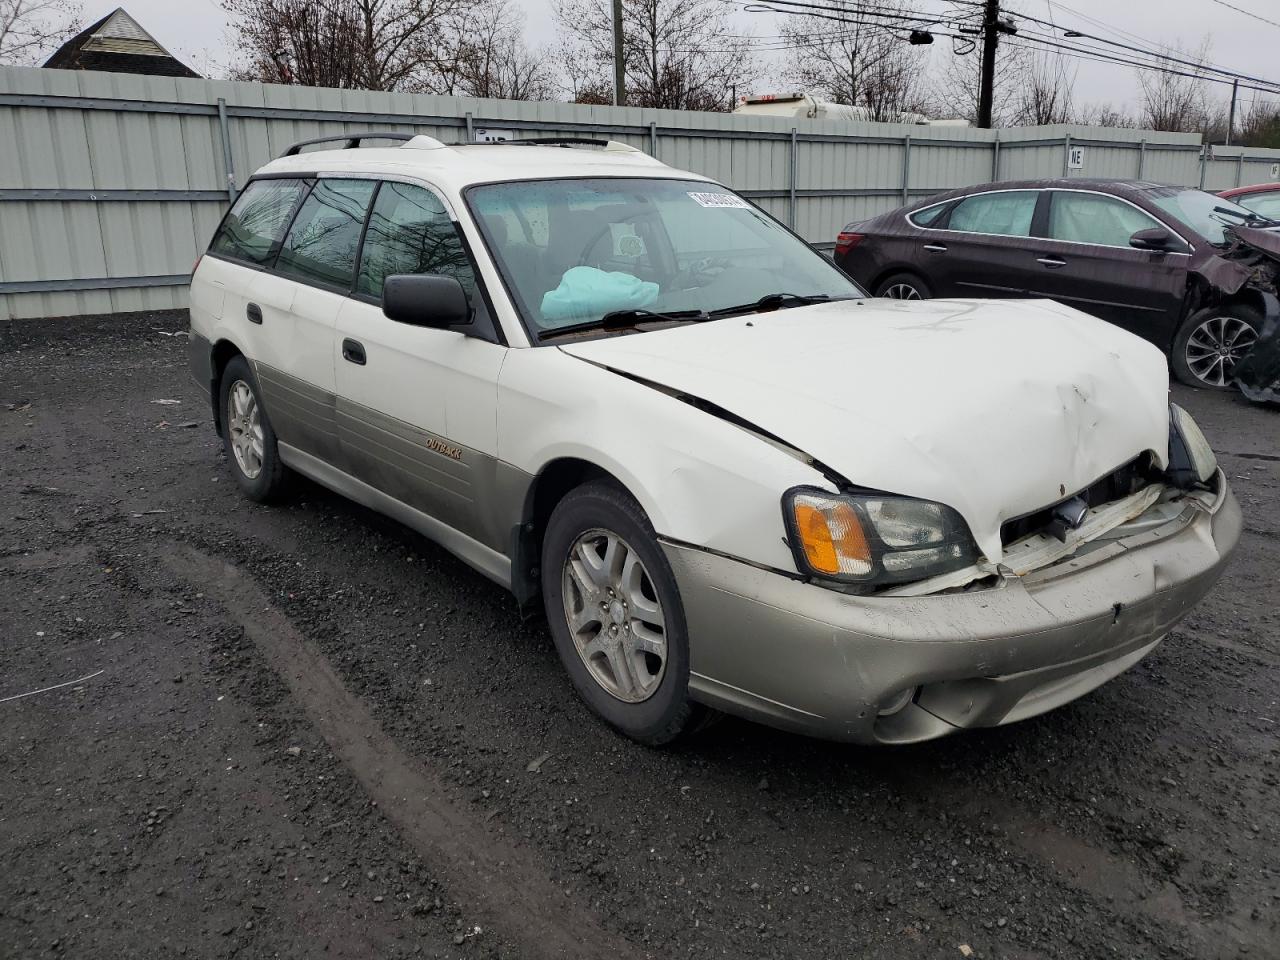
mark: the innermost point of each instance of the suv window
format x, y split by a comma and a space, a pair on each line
321, 244
1008, 213
411, 232
1092, 218
257, 219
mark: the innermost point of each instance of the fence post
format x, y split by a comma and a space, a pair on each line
906, 169
1066, 156
995, 159
791, 205
228, 162
653, 139
1204, 162
471, 133
1142, 156
1240, 168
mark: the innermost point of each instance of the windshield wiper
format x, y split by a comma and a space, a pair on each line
625, 320
775, 301
1248, 216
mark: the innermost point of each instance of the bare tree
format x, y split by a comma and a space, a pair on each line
1176, 101
493, 60
1260, 125
361, 44
30, 29
679, 54
1104, 115
863, 64
1044, 95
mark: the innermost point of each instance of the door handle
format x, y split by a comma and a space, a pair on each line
1052, 263
353, 352
254, 313
936, 247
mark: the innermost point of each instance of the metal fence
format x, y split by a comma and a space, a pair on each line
112, 184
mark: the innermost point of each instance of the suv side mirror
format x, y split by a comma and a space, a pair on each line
425, 300
1152, 238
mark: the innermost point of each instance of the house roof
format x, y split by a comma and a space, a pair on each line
118, 44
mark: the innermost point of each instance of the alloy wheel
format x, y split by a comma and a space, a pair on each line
244, 427
1215, 346
902, 291
615, 616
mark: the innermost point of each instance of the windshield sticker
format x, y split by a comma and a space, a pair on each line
719, 200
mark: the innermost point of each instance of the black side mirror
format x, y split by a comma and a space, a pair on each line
425, 300
1152, 238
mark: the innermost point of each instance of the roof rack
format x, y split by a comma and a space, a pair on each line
610, 145
351, 141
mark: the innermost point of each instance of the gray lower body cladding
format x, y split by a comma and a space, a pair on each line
805, 658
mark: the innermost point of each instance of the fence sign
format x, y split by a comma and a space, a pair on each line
493, 135
1075, 158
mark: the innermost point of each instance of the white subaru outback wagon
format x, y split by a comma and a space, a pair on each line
735, 481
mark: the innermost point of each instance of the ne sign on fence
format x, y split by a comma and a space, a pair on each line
112, 184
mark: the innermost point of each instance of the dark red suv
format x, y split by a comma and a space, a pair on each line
1141, 255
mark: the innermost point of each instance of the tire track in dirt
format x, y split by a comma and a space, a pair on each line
509, 890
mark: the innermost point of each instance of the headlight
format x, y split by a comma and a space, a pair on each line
872, 538
1191, 459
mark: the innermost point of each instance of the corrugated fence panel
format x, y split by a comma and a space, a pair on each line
70, 143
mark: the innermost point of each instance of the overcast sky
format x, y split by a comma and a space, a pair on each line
196, 31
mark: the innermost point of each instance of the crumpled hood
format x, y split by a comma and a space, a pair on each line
995, 408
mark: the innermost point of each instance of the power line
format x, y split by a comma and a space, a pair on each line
1247, 13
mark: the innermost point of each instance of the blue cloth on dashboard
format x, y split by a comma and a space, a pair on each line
586, 293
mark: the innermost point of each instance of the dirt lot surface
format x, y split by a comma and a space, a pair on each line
305, 731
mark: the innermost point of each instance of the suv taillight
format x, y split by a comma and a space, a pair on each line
847, 240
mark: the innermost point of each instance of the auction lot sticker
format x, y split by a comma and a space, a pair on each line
719, 200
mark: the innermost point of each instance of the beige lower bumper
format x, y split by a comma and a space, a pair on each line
807, 658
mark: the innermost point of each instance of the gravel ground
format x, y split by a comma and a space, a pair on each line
304, 730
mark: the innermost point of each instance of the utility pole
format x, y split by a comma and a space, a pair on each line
1231, 117
987, 82
619, 67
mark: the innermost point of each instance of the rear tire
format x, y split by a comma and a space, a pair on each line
1211, 341
904, 286
247, 437
614, 611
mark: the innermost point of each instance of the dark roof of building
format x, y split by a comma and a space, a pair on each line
117, 44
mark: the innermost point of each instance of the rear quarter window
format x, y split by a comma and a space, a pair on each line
256, 223
928, 215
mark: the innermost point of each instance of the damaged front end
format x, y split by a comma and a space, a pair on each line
1137, 499
1251, 260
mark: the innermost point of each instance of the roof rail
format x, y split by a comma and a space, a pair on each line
350, 141
614, 146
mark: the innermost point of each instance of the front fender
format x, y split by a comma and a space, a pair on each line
700, 479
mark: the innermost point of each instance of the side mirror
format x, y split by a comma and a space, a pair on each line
1152, 238
425, 300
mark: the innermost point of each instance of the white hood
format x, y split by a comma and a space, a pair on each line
995, 408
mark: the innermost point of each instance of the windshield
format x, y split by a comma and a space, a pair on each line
1196, 209
573, 251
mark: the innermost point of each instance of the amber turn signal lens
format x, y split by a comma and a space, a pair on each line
831, 536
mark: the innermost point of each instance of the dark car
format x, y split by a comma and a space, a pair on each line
1145, 256
1262, 198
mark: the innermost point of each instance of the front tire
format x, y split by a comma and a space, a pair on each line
247, 437
615, 614
904, 286
1210, 343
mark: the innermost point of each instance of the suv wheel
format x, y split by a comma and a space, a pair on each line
247, 437
904, 286
1210, 343
615, 614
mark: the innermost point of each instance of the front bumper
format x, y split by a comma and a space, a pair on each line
803, 657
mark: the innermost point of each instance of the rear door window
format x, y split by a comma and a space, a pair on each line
927, 216
1007, 214
321, 245
252, 230
1092, 218
411, 232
